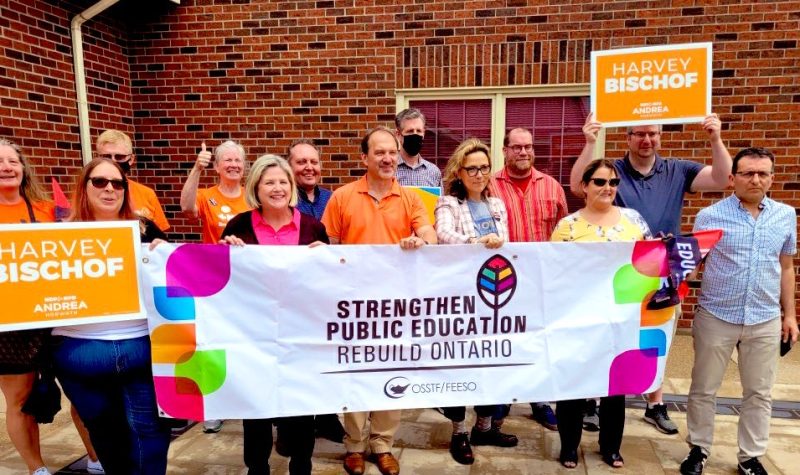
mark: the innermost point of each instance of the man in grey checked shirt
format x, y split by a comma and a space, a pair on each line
412, 169
748, 278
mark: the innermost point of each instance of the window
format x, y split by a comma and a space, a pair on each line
555, 115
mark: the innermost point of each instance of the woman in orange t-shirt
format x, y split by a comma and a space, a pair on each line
22, 200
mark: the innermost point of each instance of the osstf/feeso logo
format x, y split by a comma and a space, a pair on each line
396, 387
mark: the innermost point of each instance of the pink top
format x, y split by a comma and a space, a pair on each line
287, 235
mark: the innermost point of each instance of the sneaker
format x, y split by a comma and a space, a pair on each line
95, 468
543, 414
591, 420
41, 471
694, 463
494, 437
657, 415
751, 467
212, 426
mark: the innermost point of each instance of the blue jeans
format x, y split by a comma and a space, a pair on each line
110, 383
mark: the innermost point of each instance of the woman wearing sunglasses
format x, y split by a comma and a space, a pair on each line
22, 200
466, 214
600, 221
105, 368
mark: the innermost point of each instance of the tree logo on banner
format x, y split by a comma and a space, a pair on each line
496, 281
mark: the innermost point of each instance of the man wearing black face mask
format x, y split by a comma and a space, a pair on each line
413, 170
117, 146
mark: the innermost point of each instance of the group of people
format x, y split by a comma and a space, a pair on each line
747, 299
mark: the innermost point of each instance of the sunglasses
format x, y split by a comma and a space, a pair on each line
101, 183
117, 157
614, 182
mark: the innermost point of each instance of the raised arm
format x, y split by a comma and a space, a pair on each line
715, 176
189, 190
590, 130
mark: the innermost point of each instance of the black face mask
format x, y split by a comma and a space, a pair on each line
126, 166
412, 144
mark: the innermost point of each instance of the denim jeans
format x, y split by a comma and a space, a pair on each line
110, 383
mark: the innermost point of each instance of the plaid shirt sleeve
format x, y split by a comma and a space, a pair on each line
449, 221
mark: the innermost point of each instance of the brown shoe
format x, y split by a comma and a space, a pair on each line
354, 463
387, 464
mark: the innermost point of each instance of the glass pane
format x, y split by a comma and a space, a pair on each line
449, 122
556, 123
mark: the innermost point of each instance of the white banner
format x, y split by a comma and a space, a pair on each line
265, 331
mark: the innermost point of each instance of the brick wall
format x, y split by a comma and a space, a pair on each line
266, 72
37, 94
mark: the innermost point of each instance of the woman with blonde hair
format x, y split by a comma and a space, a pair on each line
467, 214
275, 220
22, 200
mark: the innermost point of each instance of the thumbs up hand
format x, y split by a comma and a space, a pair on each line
203, 158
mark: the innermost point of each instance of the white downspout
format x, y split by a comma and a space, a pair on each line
80, 75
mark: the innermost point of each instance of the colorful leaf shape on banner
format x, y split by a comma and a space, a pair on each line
207, 368
630, 286
653, 338
632, 372
173, 343
179, 398
201, 269
654, 317
496, 281
174, 303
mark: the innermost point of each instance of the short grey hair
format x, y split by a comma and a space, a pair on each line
408, 114
228, 145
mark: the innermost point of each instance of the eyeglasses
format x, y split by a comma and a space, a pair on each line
117, 157
613, 182
750, 175
473, 171
642, 135
101, 183
518, 148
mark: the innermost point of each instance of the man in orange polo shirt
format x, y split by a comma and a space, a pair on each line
376, 210
117, 146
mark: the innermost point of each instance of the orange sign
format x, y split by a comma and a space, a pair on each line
68, 273
668, 84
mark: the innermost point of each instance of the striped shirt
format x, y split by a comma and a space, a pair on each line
424, 173
742, 279
534, 213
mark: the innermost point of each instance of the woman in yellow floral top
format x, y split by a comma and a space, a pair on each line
600, 221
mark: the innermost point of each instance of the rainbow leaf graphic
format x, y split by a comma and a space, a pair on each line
496, 281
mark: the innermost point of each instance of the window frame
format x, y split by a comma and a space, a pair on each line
498, 96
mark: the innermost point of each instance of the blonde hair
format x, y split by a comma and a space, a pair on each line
29, 188
257, 171
116, 137
453, 185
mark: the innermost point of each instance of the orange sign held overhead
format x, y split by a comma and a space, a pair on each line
668, 84
68, 273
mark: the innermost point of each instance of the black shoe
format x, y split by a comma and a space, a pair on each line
751, 467
461, 450
694, 463
657, 415
494, 437
329, 427
591, 420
